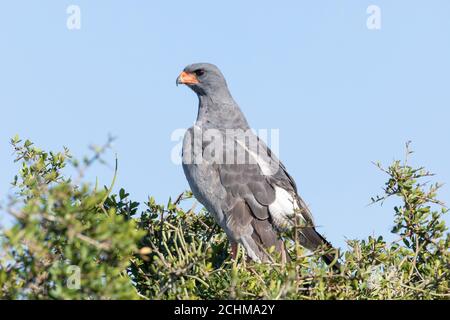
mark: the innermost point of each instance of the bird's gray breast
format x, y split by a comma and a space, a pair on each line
203, 175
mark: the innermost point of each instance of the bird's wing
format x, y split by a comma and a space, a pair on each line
261, 196
263, 182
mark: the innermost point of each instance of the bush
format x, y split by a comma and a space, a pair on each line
72, 241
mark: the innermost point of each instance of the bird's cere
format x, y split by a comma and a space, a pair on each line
187, 78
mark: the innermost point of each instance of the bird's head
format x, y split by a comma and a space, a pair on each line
203, 79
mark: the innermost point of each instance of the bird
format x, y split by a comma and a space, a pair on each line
238, 179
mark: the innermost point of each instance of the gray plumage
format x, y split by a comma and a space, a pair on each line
250, 204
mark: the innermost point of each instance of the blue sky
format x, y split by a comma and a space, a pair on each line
342, 95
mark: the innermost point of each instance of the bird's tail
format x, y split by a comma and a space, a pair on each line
313, 240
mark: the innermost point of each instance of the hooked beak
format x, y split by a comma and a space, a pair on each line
186, 78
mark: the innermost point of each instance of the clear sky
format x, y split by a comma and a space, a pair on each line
342, 95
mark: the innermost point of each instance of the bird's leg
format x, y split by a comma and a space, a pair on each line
234, 250
283, 255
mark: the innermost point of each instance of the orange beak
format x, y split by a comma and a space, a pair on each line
187, 78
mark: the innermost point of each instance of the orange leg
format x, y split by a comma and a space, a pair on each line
234, 250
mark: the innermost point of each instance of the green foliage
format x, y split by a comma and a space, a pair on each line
166, 252
64, 243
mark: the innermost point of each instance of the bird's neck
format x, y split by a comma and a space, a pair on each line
220, 112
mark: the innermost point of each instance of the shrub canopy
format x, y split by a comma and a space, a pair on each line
71, 240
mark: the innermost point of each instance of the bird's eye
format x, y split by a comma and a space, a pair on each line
199, 72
